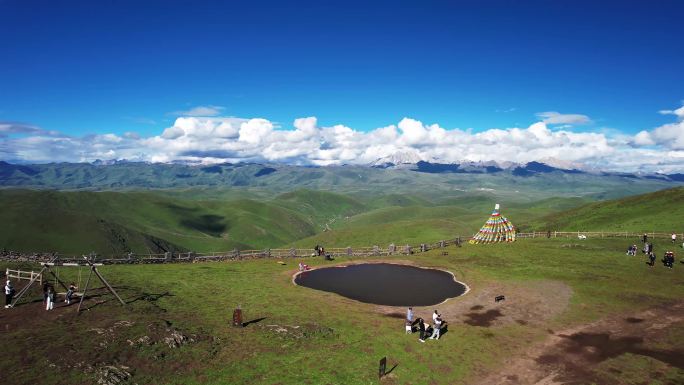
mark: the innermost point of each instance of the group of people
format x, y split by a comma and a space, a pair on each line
426, 331
320, 251
668, 259
303, 267
49, 295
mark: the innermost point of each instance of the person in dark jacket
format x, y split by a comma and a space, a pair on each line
421, 329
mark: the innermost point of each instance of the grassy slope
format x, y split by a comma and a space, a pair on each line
200, 300
659, 211
78, 222
110, 222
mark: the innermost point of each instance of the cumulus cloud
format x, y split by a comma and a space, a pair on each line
679, 112
230, 139
200, 111
553, 117
670, 136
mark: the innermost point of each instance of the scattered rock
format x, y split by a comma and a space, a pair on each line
115, 375
300, 331
176, 339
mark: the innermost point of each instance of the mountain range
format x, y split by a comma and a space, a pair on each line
403, 173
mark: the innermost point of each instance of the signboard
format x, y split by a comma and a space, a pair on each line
237, 318
383, 367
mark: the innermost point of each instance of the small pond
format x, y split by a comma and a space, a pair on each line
384, 284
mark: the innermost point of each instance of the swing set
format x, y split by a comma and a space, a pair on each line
52, 267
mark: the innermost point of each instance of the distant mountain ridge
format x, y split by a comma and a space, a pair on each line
533, 178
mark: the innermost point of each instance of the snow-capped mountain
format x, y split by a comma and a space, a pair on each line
397, 159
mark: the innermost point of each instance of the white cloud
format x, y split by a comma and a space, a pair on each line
229, 139
200, 111
553, 117
670, 136
679, 112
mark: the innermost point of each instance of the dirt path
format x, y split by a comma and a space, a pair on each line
581, 355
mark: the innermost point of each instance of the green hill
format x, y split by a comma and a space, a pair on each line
142, 222
659, 211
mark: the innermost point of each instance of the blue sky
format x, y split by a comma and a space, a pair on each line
99, 67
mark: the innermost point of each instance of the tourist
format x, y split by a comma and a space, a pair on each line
9, 293
70, 293
651, 258
650, 248
421, 329
434, 316
436, 328
409, 315
668, 260
674, 238
45, 291
50, 298
645, 238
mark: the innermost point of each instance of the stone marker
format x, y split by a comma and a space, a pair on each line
237, 317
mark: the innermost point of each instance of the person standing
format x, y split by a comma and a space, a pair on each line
421, 329
409, 315
645, 238
434, 316
674, 238
9, 293
436, 327
50, 298
651, 258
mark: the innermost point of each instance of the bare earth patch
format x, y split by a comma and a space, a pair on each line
531, 303
600, 352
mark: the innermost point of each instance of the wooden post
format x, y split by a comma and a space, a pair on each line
85, 289
111, 289
383, 367
237, 317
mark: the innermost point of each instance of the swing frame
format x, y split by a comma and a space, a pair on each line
48, 266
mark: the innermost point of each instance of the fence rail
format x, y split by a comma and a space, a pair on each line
597, 234
392, 249
189, 257
25, 275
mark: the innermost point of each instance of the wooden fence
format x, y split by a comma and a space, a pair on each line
25, 275
598, 234
169, 257
373, 251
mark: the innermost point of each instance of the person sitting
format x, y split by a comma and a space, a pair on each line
668, 259
70, 293
303, 266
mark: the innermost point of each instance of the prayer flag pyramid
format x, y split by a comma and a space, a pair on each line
496, 229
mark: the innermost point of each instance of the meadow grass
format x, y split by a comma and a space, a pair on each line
347, 337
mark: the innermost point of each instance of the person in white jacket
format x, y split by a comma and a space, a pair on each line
9, 293
50, 298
